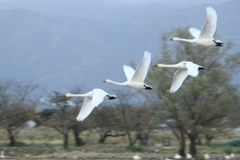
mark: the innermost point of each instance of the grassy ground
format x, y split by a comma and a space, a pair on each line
44, 142
98, 152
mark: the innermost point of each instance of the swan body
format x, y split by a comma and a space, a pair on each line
206, 156
92, 100
185, 68
204, 37
135, 79
2, 155
232, 155
189, 156
177, 156
227, 157
136, 157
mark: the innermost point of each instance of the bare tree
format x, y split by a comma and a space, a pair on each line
107, 122
61, 119
15, 109
137, 120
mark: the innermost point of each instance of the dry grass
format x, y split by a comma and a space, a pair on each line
47, 143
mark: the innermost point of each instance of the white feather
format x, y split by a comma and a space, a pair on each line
92, 100
129, 72
205, 36
135, 79
210, 25
185, 68
195, 32
86, 109
142, 69
192, 69
179, 76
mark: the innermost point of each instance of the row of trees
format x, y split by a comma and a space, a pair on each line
203, 106
204, 102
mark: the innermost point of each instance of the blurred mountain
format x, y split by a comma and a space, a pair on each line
62, 52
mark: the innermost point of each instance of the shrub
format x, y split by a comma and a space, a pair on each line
234, 143
228, 150
135, 148
20, 144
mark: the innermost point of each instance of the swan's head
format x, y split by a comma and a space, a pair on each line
218, 43
173, 39
107, 80
110, 97
67, 95
147, 87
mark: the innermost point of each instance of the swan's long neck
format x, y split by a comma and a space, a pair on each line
168, 65
184, 40
117, 83
89, 94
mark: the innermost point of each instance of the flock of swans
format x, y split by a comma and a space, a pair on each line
135, 78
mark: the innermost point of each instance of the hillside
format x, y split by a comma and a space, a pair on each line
61, 52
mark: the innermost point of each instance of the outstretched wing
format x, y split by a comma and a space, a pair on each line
142, 69
98, 96
86, 109
192, 69
179, 76
195, 32
210, 25
129, 72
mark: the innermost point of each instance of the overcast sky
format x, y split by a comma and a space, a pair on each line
100, 9
170, 2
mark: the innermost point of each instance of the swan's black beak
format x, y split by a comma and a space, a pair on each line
171, 39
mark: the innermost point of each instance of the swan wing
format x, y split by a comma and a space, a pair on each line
179, 76
129, 72
86, 109
210, 25
195, 32
142, 69
192, 69
98, 96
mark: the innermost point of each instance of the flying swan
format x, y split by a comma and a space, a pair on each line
92, 100
135, 79
185, 68
204, 37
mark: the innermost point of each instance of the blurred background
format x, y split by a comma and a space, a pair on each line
49, 48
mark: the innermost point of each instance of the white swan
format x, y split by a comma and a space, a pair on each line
135, 79
189, 156
227, 157
177, 156
185, 68
92, 100
136, 157
204, 37
2, 155
232, 155
206, 156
